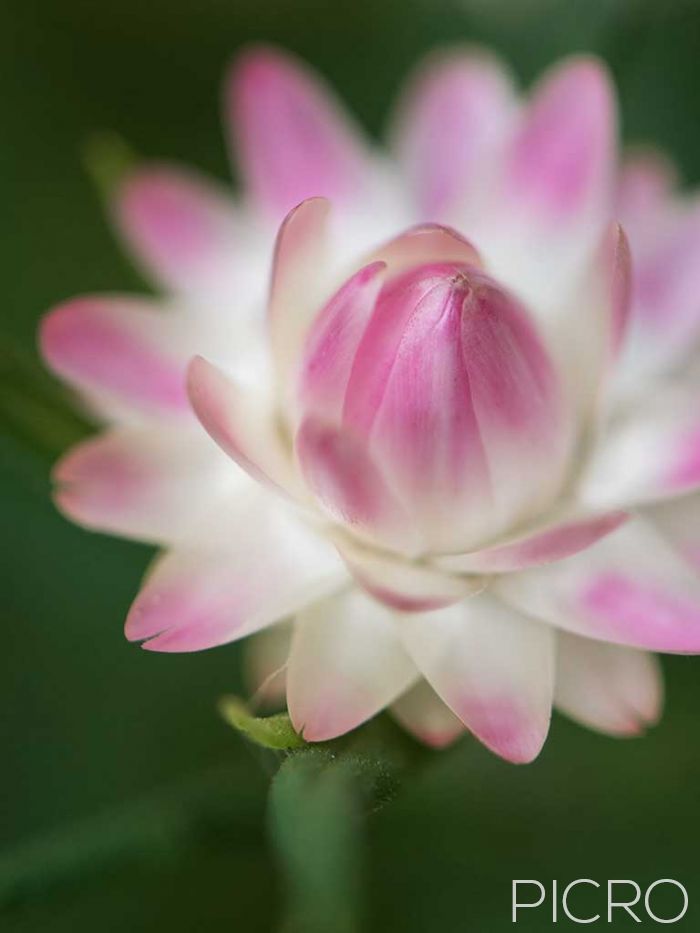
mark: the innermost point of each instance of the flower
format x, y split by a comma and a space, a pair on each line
464, 467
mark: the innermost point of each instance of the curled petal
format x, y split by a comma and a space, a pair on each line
450, 124
630, 588
181, 227
611, 688
492, 667
346, 664
243, 423
250, 566
290, 136
122, 353
296, 286
266, 656
541, 546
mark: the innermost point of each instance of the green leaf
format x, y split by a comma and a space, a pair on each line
270, 731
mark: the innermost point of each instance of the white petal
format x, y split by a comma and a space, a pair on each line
421, 711
346, 664
493, 667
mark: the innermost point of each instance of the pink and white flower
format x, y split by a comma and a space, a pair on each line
463, 465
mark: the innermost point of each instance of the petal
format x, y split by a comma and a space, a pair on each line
332, 343
292, 140
646, 183
541, 546
250, 566
349, 485
346, 664
450, 123
119, 351
651, 452
181, 227
296, 286
266, 655
404, 585
630, 588
421, 711
150, 483
607, 687
493, 667
587, 335
679, 522
561, 161
424, 244
243, 423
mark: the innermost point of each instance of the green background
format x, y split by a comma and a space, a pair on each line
106, 748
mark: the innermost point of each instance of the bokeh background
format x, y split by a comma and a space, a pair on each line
127, 804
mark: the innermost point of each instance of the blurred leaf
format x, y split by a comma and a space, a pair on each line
270, 731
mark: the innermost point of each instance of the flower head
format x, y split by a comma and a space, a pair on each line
439, 441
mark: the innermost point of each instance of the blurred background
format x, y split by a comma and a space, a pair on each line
127, 804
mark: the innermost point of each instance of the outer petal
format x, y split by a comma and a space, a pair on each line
251, 565
346, 664
645, 186
243, 423
182, 227
561, 161
450, 124
540, 546
607, 687
121, 352
149, 483
630, 588
289, 134
493, 667
421, 711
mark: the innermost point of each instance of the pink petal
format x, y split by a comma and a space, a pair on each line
454, 391
149, 483
562, 158
118, 350
630, 588
346, 664
607, 687
332, 343
451, 122
243, 422
421, 711
348, 484
292, 140
541, 546
252, 565
492, 667
182, 227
